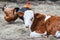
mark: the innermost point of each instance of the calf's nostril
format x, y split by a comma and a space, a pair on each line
27, 27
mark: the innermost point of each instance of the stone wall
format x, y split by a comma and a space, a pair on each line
28, 0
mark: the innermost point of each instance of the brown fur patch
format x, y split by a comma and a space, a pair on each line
38, 24
51, 25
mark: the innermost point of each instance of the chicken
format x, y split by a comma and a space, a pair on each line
10, 13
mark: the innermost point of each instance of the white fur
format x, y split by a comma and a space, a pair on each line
57, 34
27, 17
47, 17
35, 34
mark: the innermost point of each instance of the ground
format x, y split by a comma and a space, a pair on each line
16, 30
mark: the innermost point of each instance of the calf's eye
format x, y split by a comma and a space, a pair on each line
31, 19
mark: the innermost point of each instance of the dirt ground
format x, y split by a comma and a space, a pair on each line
16, 30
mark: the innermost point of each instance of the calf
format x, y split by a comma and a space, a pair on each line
41, 25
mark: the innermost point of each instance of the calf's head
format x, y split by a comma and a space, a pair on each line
28, 18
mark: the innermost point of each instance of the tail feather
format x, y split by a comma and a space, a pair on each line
3, 7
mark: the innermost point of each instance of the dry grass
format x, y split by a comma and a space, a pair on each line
16, 30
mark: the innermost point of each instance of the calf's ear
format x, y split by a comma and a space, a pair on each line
38, 16
20, 14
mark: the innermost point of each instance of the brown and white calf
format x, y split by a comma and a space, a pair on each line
41, 25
